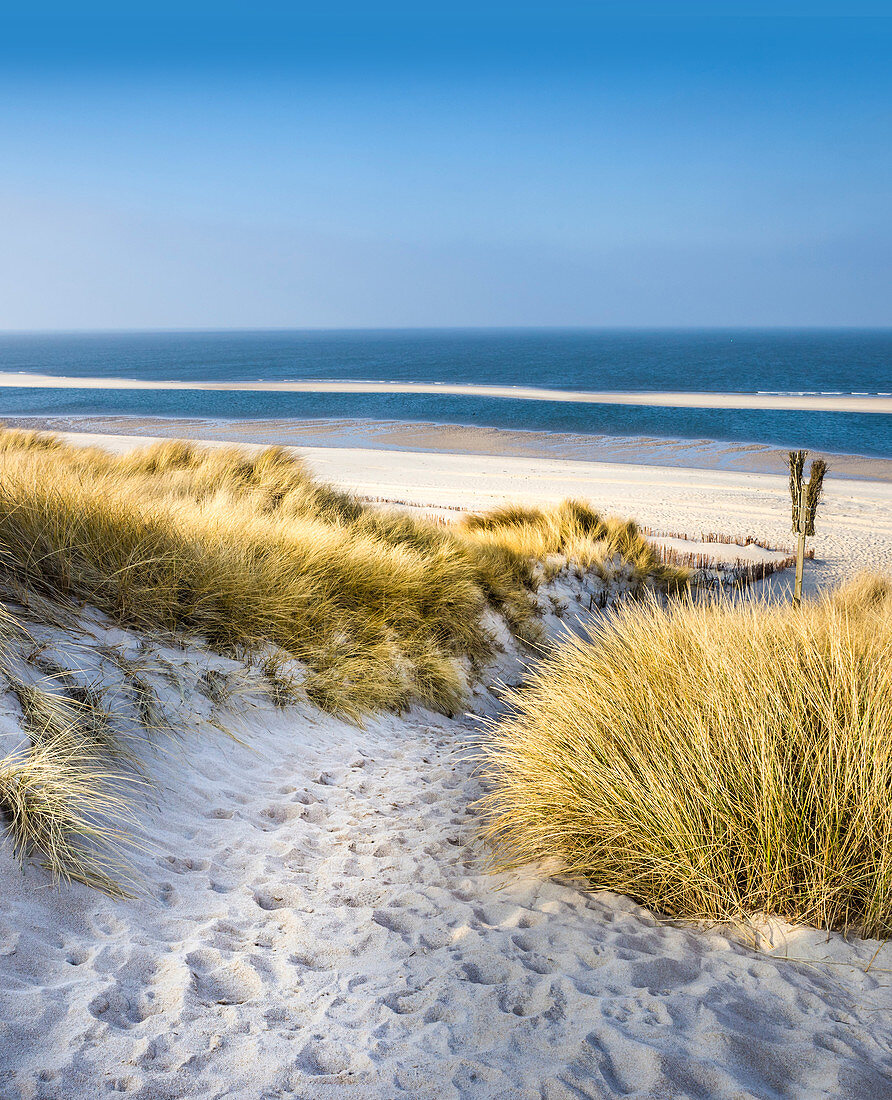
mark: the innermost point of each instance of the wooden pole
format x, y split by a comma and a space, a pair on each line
800, 546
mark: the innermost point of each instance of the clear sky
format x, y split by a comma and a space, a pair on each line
211, 166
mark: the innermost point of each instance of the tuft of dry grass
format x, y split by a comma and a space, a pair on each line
17, 439
575, 531
49, 714
59, 800
712, 759
63, 788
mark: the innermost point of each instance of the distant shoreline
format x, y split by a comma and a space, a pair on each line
395, 435
787, 402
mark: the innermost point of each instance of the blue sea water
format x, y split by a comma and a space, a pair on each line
810, 361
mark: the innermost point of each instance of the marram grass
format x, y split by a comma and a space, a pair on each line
712, 759
248, 551
64, 789
573, 530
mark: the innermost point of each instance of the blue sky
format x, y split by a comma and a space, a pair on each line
622, 165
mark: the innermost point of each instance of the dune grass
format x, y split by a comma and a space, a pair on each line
573, 530
712, 760
247, 550
64, 787
59, 803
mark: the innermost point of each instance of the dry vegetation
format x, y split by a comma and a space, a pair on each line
246, 552
62, 800
572, 530
63, 784
712, 760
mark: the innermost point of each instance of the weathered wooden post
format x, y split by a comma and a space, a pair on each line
800, 548
805, 497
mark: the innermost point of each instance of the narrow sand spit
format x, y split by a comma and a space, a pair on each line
804, 402
317, 920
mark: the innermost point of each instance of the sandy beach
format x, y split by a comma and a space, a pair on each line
316, 919
855, 532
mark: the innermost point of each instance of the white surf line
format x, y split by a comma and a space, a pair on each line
784, 402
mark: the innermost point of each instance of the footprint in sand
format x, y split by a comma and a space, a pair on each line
323, 1059
280, 897
143, 987
221, 982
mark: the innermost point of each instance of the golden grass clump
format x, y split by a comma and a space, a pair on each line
248, 551
20, 440
60, 799
574, 530
712, 759
63, 786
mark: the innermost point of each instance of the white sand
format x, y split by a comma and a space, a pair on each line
808, 402
318, 922
854, 527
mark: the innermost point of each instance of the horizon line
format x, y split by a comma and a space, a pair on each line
211, 330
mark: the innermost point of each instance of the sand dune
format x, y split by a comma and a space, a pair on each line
788, 402
318, 921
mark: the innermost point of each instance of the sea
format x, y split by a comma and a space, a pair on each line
748, 360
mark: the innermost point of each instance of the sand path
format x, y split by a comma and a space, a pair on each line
319, 925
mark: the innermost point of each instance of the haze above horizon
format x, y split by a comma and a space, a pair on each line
209, 168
